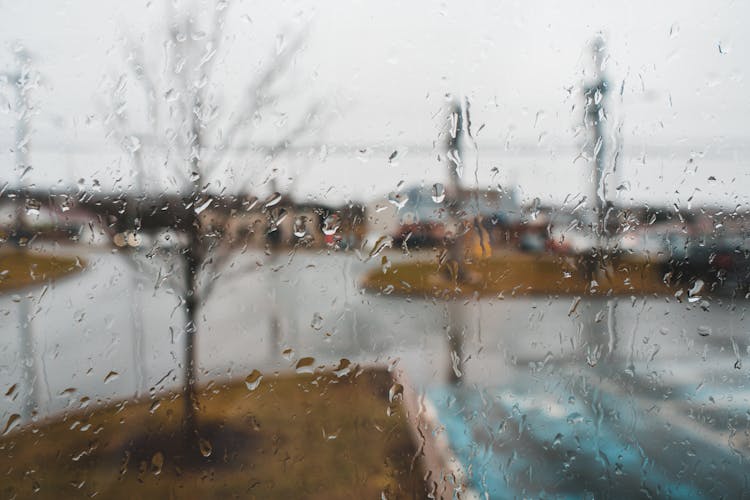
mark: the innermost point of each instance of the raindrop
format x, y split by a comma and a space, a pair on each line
455, 158
317, 321
154, 406
33, 207
11, 391
272, 200
385, 264
704, 331
299, 227
381, 244
305, 365
344, 368
574, 305
396, 391
288, 353
456, 364
13, 421
113, 375
398, 199
696, 289
252, 381
157, 463
65, 205
575, 418
280, 44
132, 144
331, 225
205, 447
557, 441
200, 208
438, 192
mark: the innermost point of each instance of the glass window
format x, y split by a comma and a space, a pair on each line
373, 249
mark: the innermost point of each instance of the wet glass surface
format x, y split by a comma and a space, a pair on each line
374, 249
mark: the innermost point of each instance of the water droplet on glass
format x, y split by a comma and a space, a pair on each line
205, 447
381, 244
574, 305
280, 44
385, 264
13, 421
154, 406
344, 368
331, 225
11, 391
575, 418
557, 441
131, 144
272, 200
396, 390
398, 199
317, 321
299, 227
696, 289
438, 193
200, 208
33, 207
305, 365
252, 381
157, 463
704, 331
113, 375
456, 364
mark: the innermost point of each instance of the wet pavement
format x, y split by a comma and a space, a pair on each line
610, 397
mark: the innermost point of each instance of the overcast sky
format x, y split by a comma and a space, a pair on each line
384, 68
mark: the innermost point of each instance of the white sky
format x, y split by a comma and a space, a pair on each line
384, 67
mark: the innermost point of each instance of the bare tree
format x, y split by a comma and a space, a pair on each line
191, 135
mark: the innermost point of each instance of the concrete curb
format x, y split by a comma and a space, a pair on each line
445, 476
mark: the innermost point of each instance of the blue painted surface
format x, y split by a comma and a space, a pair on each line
520, 441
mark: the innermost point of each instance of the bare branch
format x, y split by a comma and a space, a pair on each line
216, 31
137, 64
254, 95
295, 133
221, 268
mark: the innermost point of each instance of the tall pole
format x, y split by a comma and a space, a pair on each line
599, 345
20, 81
595, 121
453, 149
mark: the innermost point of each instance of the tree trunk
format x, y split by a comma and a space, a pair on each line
189, 393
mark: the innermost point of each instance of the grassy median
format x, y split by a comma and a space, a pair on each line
515, 273
20, 268
322, 435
